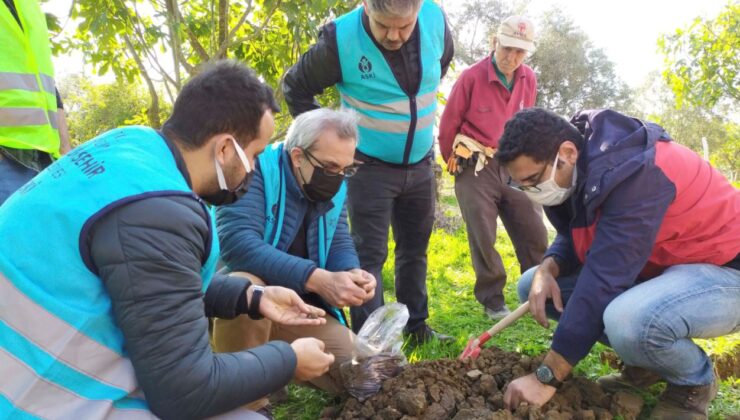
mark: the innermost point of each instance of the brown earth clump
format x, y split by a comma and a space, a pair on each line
473, 389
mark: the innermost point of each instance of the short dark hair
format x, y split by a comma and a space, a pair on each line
537, 133
225, 97
393, 7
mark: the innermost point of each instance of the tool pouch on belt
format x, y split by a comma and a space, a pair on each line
468, 153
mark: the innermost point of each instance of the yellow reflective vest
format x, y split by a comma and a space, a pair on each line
28, 102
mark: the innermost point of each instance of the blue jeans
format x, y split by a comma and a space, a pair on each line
651, 324
13, 175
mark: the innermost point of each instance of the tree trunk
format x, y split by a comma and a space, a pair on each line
223, 26
173, 25
153, 112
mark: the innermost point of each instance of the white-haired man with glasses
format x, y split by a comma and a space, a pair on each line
290, 229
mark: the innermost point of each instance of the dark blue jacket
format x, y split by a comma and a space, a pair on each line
241, 228
642, 203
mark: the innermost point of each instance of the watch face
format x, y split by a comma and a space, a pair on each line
544, 374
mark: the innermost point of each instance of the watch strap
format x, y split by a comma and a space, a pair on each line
253, 308
553, 382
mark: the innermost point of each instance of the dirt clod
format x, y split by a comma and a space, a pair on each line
627, 404
474, 374
473, 389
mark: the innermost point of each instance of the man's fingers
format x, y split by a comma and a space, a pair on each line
329, 361
305, 321
357, 301
508, 398
534, 305
370, 295
538, 309
313, 311
557, 299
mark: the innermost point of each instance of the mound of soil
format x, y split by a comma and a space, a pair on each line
473, 389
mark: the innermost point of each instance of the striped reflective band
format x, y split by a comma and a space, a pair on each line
426, 100
13, 117
48, 332
391, 126
35, 395
25, 81
18, 81
399, 107
48, 84
53, 119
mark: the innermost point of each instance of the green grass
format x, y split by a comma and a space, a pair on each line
453, 310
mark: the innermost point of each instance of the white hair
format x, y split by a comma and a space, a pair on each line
393, 7
308, 127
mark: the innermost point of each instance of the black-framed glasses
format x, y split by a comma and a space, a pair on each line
346, 172
532, 188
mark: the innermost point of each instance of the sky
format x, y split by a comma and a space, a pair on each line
627, 30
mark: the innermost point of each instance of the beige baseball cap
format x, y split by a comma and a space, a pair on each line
516, 32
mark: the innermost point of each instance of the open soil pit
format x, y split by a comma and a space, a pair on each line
473, 389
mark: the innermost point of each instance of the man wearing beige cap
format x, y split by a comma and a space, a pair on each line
484, 97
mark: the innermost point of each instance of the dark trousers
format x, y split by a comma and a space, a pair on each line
382, 195
482, 200
13, 175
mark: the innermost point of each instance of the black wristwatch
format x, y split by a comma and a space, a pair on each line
253, 308
545, 375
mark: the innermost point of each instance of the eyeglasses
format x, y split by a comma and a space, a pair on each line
535, 185
346, 172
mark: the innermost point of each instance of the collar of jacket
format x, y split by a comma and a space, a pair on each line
493, 77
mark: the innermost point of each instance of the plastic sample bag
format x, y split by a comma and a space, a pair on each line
377, 355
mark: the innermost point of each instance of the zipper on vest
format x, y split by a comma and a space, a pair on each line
412, 129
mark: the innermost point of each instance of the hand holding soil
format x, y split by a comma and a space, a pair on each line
284, 306
311, 362
365, 280
527, 389
338, 289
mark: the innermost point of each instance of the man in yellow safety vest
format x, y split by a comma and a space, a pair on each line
33, 129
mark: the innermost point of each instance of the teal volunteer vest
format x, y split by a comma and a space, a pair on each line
394, 127
273, 175
58, 339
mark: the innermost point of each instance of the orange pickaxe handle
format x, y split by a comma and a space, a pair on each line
474, 346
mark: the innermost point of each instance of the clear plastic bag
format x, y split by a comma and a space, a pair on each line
377, 355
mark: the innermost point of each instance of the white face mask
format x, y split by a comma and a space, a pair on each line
550, 193
220, 171
225, 195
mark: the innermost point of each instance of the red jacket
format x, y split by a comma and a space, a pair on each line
479, 104
642, 203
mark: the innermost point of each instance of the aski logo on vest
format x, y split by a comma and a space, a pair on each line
366, 68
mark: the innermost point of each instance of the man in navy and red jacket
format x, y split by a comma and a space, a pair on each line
646, 255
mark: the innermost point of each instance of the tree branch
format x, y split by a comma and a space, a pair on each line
257, 30
153, 111
147, 50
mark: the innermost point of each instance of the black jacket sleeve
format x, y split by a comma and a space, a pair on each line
149, 255
60, 104
317, 69
449, 49
226, 297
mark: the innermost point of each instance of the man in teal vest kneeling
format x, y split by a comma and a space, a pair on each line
113, 322
291, 230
